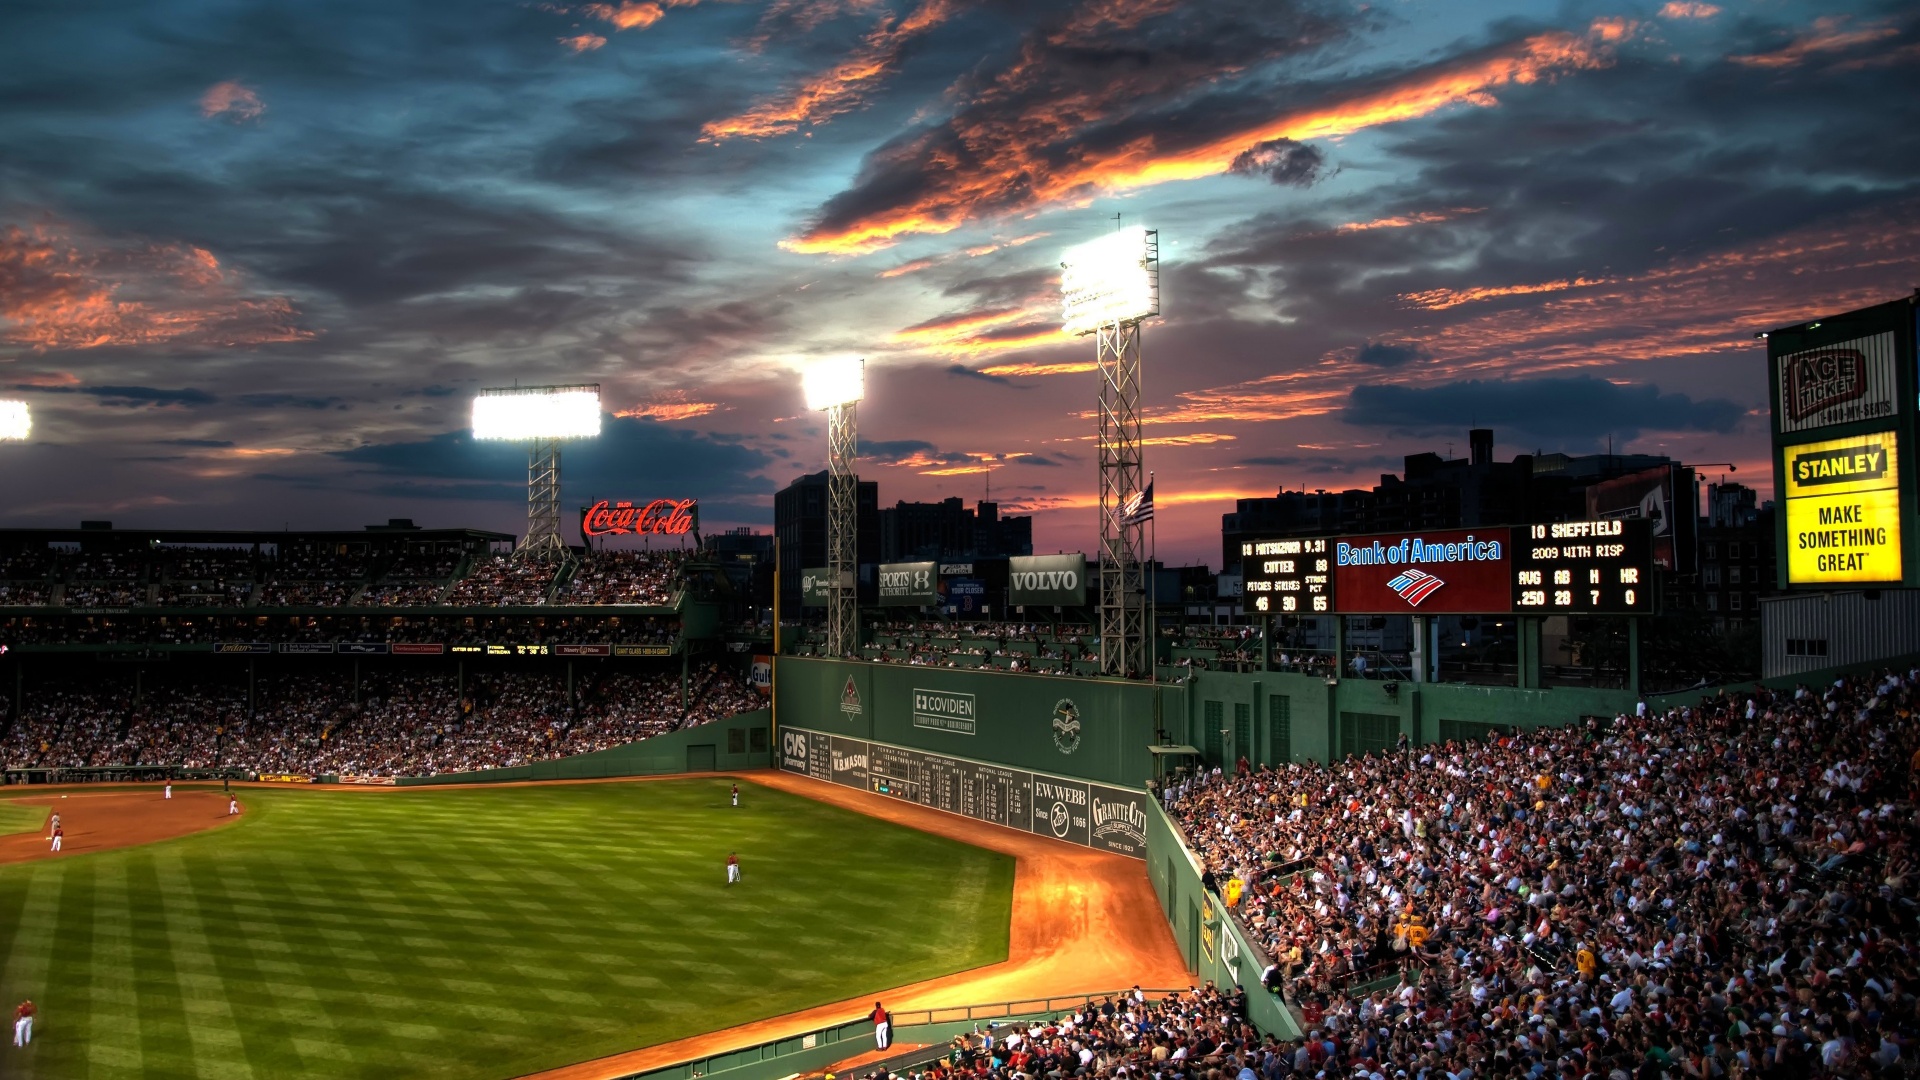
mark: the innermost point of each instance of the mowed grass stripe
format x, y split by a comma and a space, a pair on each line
492, 932
157, 990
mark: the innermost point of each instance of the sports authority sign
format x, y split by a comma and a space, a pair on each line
907, 584
1093, 815
1836, 384
660, 517
1446, 572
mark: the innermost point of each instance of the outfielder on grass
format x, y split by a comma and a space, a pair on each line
733, 868
23, 1023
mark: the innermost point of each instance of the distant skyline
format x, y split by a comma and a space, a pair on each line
254, 262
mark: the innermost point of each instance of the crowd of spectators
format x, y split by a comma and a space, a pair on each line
1202, 1034
404, 722
503, 581
68, 724
414, 579
624, 577
313, 579
447, 629
1722, 890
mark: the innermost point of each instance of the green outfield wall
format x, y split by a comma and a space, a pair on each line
739, 742
1210, 942
1092, 729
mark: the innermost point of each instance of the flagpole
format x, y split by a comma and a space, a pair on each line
1153, 603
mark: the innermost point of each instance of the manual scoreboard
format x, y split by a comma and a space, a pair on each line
1286, 577
1600, 567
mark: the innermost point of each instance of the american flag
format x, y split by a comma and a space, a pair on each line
1137, 508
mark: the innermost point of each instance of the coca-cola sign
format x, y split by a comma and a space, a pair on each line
661, 517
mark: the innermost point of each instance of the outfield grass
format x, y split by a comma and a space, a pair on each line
15, 818
475, 933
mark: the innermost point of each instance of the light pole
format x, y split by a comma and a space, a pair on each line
541, 416
836, 387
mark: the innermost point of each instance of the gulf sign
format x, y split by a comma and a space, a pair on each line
1447, 572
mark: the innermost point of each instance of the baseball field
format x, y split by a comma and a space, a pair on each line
472, 932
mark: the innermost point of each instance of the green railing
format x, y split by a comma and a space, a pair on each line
825, 1045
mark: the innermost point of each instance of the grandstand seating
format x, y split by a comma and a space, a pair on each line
1710, 891
401, 721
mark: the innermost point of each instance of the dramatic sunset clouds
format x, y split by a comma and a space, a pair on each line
251, 269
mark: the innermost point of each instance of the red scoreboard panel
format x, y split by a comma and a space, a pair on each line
1443, 572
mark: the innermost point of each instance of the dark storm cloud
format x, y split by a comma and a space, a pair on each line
132, 397
1382, 354
627, 452
203, 444
961, 371
290, 401
1566, 409
1282, 161
891, 450
1129, 70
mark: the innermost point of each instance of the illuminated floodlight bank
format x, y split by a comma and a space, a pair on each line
519, 414
827, 383
16, 420
1115, 279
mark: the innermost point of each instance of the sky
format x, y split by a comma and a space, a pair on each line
256, 259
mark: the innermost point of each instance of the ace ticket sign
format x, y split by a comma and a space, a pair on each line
1843, 510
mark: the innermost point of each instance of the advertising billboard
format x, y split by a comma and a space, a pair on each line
1843, 510
1047, 580
1583, 568
1664, 497
1443, 572
907, 584
1286, 577
1836, 384
1077, 811
656, 517
816, 585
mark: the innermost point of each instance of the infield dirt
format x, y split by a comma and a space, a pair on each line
104, 820
1083, 921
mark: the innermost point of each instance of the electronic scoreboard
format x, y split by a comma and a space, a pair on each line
1286, 577
1584, 568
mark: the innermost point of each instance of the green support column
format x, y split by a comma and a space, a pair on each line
1334, 749
1266, 642
1528, 636
1633, 654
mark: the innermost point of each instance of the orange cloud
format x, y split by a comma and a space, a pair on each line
231, 100
1698, 307
979, 166
1429, 217
628, 15
842, 88
1441, 299
976, 333
997, 245
1071, 367
1826, 35
670, 410
61, 289
906, 268
583, 42
1688, 9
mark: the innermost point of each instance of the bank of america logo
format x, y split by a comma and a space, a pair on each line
1415, 585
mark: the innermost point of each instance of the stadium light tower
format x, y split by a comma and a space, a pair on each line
16, 421
1108, 286
836, 386
542, 417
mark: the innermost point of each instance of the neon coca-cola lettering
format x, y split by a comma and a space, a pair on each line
661, 517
